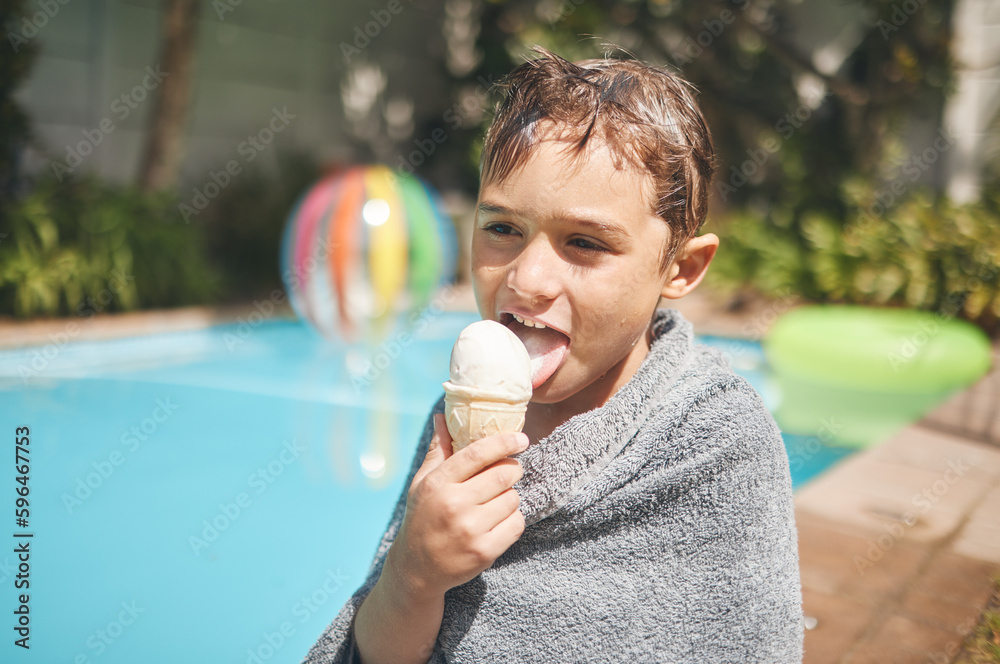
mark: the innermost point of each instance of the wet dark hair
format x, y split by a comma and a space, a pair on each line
645, 114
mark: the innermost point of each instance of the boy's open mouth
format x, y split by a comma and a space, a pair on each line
546, 346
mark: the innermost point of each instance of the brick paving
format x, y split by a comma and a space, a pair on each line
899, 545
973, 413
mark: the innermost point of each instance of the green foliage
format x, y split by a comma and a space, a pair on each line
923, 252
81, 246
983, 645
991, 179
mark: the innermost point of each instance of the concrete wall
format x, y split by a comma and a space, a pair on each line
96, 57
976, 101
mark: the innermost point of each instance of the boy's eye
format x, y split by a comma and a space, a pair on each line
500, 229
583, 243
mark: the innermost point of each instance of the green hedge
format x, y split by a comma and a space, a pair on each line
82, 246
923, 252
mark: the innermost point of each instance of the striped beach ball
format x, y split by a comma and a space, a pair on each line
362, 247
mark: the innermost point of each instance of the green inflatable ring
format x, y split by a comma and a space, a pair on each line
901, 350
859, 374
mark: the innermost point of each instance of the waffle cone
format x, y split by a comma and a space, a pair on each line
470, 418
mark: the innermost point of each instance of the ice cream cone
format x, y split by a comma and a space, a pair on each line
473, 414
490, 384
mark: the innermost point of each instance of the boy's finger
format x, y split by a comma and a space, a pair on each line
443, 435
490, 514
485, 519
482, 453
438, 450
489, 483
505, 533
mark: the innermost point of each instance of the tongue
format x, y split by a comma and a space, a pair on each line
547, 348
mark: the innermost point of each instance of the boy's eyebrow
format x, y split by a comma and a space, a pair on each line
609, 229
490, 208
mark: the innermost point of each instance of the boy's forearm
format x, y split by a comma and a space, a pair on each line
393, 626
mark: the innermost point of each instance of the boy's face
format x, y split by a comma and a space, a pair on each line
572, 243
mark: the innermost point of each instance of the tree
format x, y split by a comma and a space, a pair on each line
164, 142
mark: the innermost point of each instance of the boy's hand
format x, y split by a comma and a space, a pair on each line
461, 513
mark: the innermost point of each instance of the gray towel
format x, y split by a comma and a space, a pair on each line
660, 528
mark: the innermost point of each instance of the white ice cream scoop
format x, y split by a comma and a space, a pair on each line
490, 384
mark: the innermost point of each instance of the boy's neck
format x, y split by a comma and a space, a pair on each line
541, 419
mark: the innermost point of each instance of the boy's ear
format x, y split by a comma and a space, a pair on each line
690, 265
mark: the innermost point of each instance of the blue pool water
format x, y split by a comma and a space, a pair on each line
215, 496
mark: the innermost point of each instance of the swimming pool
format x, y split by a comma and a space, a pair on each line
216, 495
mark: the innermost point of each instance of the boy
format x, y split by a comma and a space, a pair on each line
646, 512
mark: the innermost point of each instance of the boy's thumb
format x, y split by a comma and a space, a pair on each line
440, 447
438, 450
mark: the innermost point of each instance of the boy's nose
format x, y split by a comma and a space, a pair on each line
534, 274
